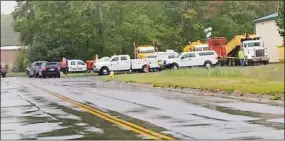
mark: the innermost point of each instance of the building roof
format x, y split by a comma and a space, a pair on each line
13, 47
266, 18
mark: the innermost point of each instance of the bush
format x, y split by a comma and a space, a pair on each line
20, 63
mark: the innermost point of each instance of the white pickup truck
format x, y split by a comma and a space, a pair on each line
190, 59
119, 63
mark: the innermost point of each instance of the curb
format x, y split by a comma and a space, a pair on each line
262, 99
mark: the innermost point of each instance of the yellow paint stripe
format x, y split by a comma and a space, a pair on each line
133, 127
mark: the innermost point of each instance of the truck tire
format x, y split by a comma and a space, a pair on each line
104, 71
30, 75
145, 69
265, 62
175, 66
208, 64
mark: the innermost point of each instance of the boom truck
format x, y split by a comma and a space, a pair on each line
151, 53
228, 52
144, 51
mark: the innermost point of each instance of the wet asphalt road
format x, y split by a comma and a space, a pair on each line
30, 113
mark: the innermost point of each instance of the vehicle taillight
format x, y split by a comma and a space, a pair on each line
58, 67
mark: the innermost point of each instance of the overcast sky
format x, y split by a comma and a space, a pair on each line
7, 7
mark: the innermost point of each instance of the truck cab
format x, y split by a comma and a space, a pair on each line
254, 51
144, 51
76, 66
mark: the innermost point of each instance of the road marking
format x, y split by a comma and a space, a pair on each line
128, 125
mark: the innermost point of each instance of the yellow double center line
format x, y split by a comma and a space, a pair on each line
131, 126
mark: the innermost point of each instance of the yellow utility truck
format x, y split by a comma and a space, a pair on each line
144, 51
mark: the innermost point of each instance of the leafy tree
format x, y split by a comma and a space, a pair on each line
280, 20
81, 29
21, 61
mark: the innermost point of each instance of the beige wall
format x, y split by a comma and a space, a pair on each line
8, 57
269, 35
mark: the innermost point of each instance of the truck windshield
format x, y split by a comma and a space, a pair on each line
253, 44
51, 63
173, 56
147, 51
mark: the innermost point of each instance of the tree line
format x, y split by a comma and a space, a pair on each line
81, 29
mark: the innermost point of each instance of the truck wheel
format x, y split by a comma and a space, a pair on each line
208, 64
104, 71
145, 69
265, 62
175, 67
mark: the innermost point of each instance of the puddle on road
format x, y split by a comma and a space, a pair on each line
279, 126
263, 116
247, 113
247, 138
191, 125
104, 129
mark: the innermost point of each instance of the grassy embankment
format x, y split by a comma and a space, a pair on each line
16, 74
267, 79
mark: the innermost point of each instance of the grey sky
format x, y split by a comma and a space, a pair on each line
7, 7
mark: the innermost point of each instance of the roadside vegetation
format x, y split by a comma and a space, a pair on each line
16, 74
81, 29
267, 79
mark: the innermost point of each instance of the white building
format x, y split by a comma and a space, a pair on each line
266, 28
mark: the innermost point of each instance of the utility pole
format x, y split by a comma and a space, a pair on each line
100, 25
100, 5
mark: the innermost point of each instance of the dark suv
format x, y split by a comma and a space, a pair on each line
3, 71
50, 69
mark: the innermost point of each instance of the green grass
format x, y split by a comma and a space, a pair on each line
267, 79
15, 74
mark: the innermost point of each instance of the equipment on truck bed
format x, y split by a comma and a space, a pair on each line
227, 52
192, 45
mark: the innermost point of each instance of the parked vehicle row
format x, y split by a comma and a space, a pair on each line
120, 63
43, 69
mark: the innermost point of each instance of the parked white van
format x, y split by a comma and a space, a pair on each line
76, 66
196, 58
